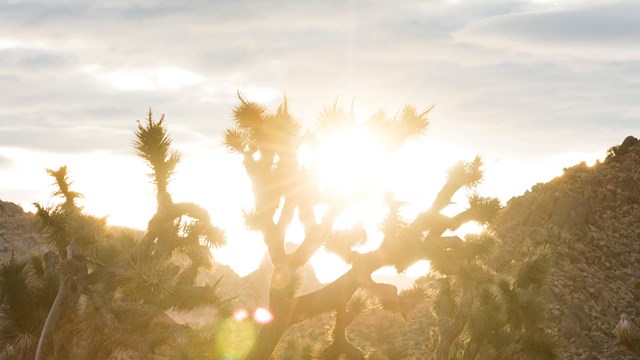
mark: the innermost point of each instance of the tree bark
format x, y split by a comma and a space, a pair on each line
52, 320
472, 350
444, 346
55, 311
340, 344
266, 341
453, 331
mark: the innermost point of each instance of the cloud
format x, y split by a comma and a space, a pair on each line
77, 64
5, 162
75, 75
77, 139
607, 31
17, 59
88, 139
153, 79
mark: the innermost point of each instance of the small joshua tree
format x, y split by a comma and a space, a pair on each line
488, 311
27, 291
116, 289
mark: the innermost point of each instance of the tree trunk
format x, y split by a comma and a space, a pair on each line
52, 319
281, 305
442, 351
340, 344
451, 333
55, 311
472, 350
266, 341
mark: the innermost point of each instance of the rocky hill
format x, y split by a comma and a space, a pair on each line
17, 232
589, 219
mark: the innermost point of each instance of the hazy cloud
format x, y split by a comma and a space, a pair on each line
34, 59
71, 67
76, 139
605, 30
5, 162
516, 81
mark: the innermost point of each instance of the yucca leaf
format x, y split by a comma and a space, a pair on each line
341, 242
534, 270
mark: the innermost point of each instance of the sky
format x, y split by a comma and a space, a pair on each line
532, 86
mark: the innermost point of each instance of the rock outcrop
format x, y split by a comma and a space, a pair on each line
589, 219
18, 236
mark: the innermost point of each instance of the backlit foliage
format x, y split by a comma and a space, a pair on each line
27, 290
490, 314
284, 188
116, 288
105, 292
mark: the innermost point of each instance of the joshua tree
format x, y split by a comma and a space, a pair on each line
27, 290
627, 334
503, 315
69, 232
284, 188
115, 289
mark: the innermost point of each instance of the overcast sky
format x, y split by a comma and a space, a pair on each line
533, 86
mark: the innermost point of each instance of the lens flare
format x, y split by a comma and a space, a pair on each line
262, 316
240, 314
235, 339
281, 277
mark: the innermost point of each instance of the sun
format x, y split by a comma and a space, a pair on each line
355, 164
347, 161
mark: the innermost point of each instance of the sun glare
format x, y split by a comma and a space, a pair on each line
328, 267
420, 268
350, 161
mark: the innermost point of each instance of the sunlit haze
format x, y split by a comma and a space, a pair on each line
531, 86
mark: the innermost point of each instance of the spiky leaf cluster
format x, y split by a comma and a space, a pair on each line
296, 348
63, 185
489, 312
467, 173
256, 130
407, 123
154, 146
64, 224
503, 314
27, 290
478, 246
445, 303
485, 209
534, 270
341, 242
116, 286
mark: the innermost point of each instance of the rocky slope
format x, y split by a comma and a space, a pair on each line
589, 219
17, 232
